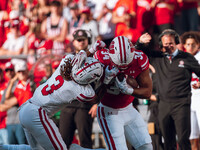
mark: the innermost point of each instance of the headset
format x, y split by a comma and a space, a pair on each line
89, 35
168, 32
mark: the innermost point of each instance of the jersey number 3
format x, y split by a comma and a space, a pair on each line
53, 87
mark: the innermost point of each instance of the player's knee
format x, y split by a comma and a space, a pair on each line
145, 147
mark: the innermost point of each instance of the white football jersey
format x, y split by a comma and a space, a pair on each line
195, 78
56, 92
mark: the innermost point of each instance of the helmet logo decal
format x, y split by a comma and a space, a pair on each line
80, 33
111, 48
131, 46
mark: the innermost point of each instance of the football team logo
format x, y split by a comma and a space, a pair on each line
111, 48
138, 55
80, 33
181, 64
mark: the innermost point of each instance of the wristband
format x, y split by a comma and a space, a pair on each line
91, 50
129, 91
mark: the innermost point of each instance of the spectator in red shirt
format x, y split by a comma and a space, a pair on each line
164, 13
14, 129
144, 15
16, 94
124, 14
3, 131
23, 90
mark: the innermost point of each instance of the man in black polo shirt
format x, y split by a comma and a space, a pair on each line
173, 72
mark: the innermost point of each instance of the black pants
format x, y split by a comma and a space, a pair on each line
76, 118
174, 118
153, 118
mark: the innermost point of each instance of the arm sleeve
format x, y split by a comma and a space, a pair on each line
148, 50
87, 94
144, 63
194, 65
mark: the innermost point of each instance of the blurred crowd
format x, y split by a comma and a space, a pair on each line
39, 27
36, 34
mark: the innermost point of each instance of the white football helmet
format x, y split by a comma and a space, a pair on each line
121, 52
91, 70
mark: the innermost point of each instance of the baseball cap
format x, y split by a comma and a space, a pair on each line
9, 66
55, 64
85, 10
80, 34
21, 66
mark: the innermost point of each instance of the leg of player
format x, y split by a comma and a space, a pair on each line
145, 147
78, 147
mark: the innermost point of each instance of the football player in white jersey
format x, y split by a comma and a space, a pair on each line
66, 84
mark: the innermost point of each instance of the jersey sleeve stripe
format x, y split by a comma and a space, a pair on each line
145, 63
84, 100
49, 130
80, 100
86, 97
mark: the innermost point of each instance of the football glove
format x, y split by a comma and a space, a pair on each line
110, 74
123, 86
97, 46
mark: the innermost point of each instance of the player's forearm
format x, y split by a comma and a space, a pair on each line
144, 93
8, 104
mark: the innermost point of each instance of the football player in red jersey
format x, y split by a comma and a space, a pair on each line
118, 119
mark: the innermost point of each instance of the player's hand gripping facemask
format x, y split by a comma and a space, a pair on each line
97, 46
79, 58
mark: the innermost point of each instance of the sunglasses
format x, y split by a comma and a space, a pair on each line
80, 40
21, 71
9, 70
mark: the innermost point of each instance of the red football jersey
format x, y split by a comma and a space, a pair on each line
113, 97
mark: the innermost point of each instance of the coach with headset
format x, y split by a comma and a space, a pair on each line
173, 72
